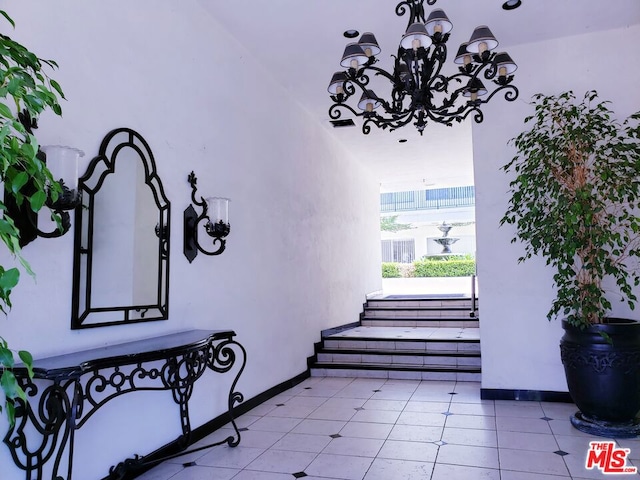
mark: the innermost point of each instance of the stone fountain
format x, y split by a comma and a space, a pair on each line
446, 241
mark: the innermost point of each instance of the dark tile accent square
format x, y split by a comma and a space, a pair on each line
546, 419
446, 414
440, 443
243, 429
189, 464
358, 409
299, 474
279, 404
561, 453
307, 388
377, 391
452, 393
336, 435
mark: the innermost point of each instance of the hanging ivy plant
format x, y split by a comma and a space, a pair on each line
25, 92
575, 200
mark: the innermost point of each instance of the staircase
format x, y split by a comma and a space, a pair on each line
426, 338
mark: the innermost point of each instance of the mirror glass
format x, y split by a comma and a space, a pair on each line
121, 255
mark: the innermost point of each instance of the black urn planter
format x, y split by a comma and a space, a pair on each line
604, 376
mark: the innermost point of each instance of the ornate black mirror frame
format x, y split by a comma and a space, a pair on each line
88, 229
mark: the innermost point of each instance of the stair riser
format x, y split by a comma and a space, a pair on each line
417, 313
418, 346
415, 360
406, 322
398, 375
420, 303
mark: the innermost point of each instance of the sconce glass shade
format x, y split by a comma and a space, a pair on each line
337, 83
416, 36
481, 35
218, 209
369, 44
62, 161
438, 18
504, 61
353, 53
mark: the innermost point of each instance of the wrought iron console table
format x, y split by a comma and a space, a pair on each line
74, 386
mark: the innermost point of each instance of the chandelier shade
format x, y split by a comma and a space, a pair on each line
354, 56
336, 85
475, 89
415, 37
369, 44
482, 39
506, 66
438, 22
463, 57
368, 101
419, 90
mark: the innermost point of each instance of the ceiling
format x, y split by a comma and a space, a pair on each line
300, 42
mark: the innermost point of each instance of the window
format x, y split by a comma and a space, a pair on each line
398, 251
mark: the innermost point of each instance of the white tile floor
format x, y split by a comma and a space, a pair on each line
368, 429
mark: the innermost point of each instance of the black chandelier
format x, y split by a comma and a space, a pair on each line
419, 91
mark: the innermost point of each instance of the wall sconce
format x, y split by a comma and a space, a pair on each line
62, 161
216, 211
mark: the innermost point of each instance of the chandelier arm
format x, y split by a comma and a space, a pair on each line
380, 71
445, 118
396, 123
335, 113
362, 86
416, 10
510, 94
436, 60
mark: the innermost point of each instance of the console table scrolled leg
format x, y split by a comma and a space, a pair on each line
52, 420
236, 397
222, 358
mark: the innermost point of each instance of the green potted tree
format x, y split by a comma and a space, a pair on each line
574, 201
25, 92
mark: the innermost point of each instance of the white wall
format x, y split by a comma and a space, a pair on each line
519, 346
304, 247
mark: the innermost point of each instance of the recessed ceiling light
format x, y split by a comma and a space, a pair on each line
351, 33
511, 4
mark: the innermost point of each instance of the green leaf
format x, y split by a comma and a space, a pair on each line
9, 384
27, 359
57, 88
9, 19
6, 357
9, 279
5, 111
37, 200
19, 181
11, 412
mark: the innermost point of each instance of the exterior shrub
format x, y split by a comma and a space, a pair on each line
445, 268
390, 270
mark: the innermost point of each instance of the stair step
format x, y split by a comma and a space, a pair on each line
439, 353
420, 308
418, 346
413, 322
404, 366
406, 372
357, 359
425, 302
